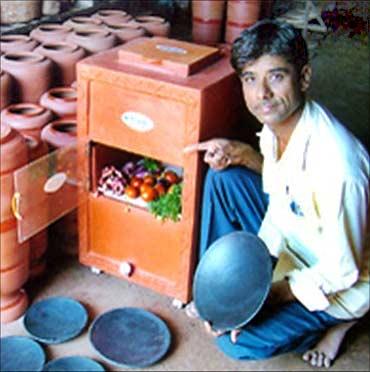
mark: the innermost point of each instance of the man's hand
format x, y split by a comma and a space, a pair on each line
220, 153
216, 333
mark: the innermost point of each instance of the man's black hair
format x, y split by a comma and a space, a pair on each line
269, 37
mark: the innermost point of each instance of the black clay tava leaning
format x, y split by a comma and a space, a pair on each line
130, 337
232, 280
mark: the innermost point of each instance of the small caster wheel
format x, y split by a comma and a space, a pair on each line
95, 270
177, 304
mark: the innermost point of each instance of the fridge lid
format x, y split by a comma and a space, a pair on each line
169, 56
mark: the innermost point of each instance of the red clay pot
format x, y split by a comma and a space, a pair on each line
62, 101
154, 25
50, 32
93, 40
32, 74
240, 15
5, 89
17, 43
13, 306
65, 56
207, 21
60, 133
126, 31
27, 118
82, 23
112, 15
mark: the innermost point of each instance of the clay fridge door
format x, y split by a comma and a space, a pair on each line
47, 189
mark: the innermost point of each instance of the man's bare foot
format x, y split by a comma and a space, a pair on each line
325, 352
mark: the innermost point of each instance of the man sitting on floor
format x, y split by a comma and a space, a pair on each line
310, 205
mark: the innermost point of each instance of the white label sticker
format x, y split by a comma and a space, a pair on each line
171, 49
137, 121
55, 182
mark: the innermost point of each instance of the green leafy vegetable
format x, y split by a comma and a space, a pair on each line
168, 206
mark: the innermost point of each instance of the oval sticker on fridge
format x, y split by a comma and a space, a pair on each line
137, 121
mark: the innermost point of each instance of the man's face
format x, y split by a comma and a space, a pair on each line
273, 90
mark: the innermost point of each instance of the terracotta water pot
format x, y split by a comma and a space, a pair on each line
112, 15
62, 101
83, 23
17, 43
50, 32
240, 15
154, 25
13, 154
125, 31
5, 89
207, 21
27, 118
65, 56
14, 11
93, 40
14, 264
32, 74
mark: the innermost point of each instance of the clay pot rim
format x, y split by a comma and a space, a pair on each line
5, 132
87, 32
150, 19
121, 26
33, 109
110, 12
52, 134
81, 20
71, 93
51, 27
59, 46
30, 56
14, 38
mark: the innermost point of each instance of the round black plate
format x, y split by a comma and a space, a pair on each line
55, 319
19, 353
130, 337
73, 364
232, 280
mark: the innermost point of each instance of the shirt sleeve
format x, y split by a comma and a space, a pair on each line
340, 246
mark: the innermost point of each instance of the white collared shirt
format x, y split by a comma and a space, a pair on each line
317, 215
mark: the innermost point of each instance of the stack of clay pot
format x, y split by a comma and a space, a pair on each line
14, 263
28, 119
59, 133
208, 16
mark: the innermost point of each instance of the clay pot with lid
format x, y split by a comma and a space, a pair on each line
83, 23
32, 74
93, 40
26, 118
207, 21
125, 32
5, 89
17, 43
154, 25
65, 56
112, 15
50, 32
62, 101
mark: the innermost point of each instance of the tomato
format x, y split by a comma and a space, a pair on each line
149, 194
145, 188
161, 190
131, 191
149, 180
136, 182
171, 177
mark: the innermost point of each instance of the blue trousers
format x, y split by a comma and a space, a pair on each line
233, 200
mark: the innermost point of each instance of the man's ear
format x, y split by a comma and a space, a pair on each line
305, 77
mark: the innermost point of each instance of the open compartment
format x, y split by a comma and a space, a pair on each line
137, 180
